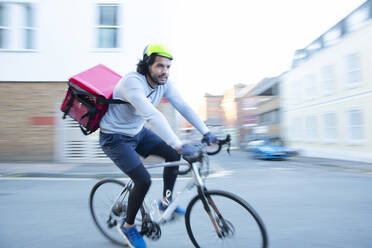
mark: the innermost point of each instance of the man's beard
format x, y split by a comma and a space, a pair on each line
155, 80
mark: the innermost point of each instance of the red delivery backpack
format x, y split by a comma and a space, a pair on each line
88, 96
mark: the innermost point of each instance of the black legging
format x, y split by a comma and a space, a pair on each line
142, 179
169, 173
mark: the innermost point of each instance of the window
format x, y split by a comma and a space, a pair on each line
292, 97
311, 128
328, 81
315, 46
296, 129
354, 73
330, 127
3, 25
358, 18
108, 28
332, 36
214, 104
310, 87
356, 125
296, 92
29, 29
270, 117
301, 128
248, 104
17, 26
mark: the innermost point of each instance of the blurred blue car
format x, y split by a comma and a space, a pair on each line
270, 149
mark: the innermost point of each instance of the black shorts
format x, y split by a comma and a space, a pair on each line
124, 150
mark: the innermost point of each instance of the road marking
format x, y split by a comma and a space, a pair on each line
216, 174
222, 173
75, 179
4, 178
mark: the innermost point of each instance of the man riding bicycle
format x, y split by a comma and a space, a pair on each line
123, 137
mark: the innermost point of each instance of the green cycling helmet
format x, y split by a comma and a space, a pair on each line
158, 49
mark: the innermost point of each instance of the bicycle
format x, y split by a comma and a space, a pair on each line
232, 221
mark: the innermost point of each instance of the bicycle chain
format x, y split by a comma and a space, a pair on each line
151, 230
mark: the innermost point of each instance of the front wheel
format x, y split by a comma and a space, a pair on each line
232, 222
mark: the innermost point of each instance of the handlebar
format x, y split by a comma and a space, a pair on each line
220, 144
203, 144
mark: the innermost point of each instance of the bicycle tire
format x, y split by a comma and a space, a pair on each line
110, 232
222, 199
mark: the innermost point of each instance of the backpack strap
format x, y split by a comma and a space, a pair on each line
97, 98
103, 100
84, 130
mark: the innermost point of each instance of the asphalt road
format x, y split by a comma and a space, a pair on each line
304, 203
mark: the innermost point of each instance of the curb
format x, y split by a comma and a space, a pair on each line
352, 166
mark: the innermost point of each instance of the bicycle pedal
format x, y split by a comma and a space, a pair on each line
151, 230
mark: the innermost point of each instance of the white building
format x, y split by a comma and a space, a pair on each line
45, 42
50, 40
327, 95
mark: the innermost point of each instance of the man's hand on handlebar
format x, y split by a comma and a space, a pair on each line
193, 153
190, 153
209, 138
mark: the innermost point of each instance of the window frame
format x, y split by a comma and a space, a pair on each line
16, 39
311, 131
118, 27
327, 128
311, 87
328, 77
358, 19
296, 129
351, 69
333, 36
362, 140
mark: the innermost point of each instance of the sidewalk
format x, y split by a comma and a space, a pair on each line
71, 170
91, 170
334, 163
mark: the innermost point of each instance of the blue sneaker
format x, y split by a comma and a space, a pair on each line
179, 211
132, 236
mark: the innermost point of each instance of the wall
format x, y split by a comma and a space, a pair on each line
65, 39
27, 120
297, 106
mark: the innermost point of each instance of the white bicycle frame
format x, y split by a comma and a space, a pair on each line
196, 180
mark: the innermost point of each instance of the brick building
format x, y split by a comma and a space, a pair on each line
210, 110
28, 116
268, 107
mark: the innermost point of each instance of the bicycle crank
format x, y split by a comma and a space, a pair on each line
151, 230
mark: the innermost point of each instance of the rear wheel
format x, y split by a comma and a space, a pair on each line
235, 223
108, 205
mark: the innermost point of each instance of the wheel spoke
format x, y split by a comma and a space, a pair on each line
105, 212
237, 222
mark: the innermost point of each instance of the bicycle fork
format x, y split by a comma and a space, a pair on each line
207, 201
220, 225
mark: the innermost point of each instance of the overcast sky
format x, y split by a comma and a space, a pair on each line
218, 43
